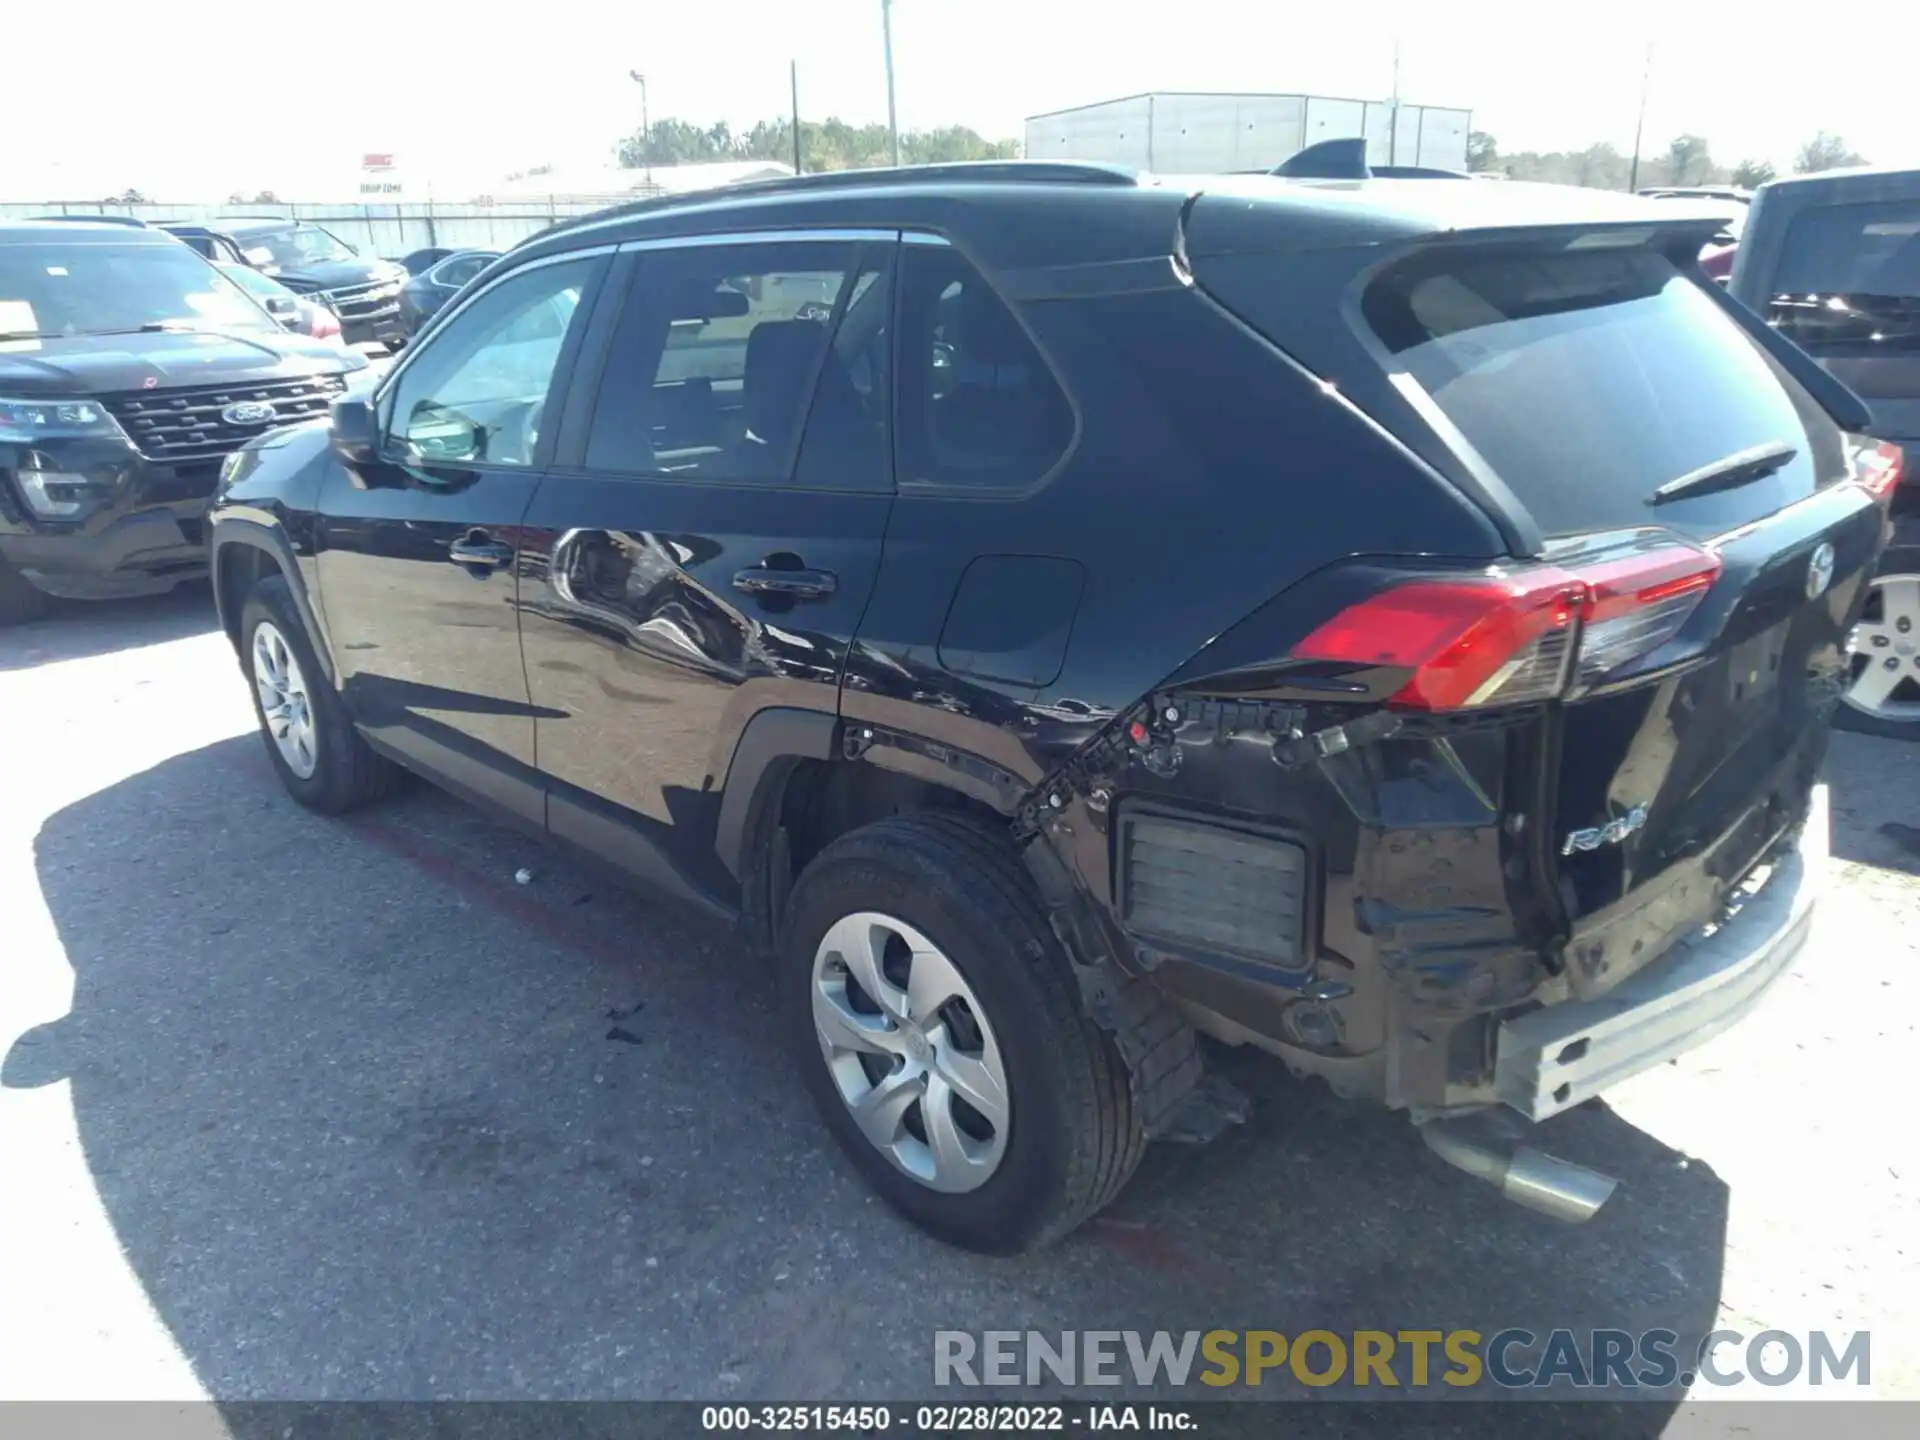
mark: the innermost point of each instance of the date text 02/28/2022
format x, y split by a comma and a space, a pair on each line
944, 1419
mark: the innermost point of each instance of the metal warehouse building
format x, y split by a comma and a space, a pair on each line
1174, 131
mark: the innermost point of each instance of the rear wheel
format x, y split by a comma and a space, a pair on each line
20, 598
942, 1039
1883, 696
319, 756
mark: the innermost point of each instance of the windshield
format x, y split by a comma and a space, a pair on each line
1850, 275
98, 288
293, 248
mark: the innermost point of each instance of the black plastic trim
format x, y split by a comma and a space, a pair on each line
229, 531
771, 736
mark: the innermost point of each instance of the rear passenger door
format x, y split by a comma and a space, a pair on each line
709, 536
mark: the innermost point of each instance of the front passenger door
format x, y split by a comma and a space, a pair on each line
417, 550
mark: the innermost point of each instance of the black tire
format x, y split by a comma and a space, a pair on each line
1898, 560
20, 599
347, 774
1073, 1138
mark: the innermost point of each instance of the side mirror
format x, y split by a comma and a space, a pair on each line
356, 431
282, 307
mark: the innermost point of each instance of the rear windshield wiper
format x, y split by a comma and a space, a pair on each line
1740, 468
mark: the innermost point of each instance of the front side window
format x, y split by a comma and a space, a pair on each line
477, 391
727, 355
978, 409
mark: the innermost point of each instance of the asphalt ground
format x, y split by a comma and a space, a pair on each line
303, 1108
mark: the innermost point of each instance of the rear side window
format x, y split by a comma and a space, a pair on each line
1588, 380
1850, 275
979, 409
750, 363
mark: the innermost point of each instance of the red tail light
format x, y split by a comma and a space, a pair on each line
1518, 636
1877, 467
326, 325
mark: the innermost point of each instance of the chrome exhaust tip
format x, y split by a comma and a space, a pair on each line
1533, 1178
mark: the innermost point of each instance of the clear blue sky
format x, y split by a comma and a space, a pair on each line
204, 104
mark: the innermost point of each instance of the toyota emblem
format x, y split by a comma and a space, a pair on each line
1820, 571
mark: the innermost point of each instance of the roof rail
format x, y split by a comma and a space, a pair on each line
964, 172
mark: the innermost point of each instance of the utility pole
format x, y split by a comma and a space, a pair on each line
646, 136
1640, 125
893, 120
793, 82
1393, 123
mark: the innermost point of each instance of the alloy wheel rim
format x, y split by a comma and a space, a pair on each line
285, 704
911, 1052
1884, 651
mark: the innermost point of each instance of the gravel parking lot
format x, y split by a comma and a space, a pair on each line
304, 1108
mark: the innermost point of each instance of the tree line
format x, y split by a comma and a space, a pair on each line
1687, 160
830, 144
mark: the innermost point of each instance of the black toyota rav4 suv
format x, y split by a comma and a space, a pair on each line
129, 368
1060, 613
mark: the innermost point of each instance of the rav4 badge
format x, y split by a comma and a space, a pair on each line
1611, 833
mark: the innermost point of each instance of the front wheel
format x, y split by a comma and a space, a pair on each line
319, 756
1883, 696
942, 1038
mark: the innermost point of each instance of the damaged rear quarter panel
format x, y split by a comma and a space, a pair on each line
1424, 912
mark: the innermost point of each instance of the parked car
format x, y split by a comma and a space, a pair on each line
311, 260
301, 314
1832, 261
1387, 623
416, 261
129, 368
423, 295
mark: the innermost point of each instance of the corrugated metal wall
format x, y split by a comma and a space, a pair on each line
390, 230
1173, 132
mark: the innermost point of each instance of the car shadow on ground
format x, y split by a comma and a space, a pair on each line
1871, 824
373, 1121
79, 629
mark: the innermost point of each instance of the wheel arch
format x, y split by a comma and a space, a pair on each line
246, 552
799, 779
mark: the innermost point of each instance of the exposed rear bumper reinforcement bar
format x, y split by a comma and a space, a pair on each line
1553, 1058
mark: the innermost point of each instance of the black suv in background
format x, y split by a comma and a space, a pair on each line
310, 260
129, 369
1833, 262
1390, 624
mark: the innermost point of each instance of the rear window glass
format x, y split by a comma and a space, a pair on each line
1587, 380
1850, 275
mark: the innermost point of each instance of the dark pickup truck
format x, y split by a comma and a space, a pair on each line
310, 260
1832, 261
